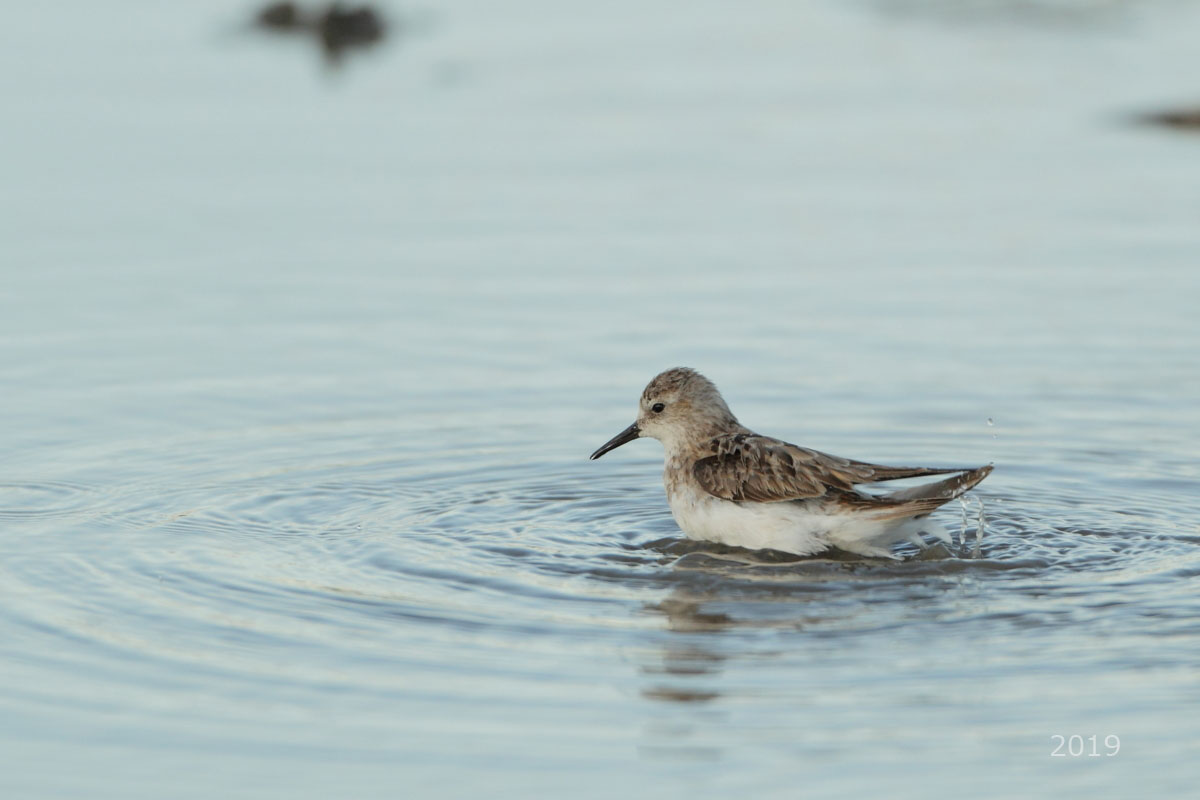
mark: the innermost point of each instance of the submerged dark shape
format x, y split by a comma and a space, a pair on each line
281, 16
1182, 118
341, 27
336, 27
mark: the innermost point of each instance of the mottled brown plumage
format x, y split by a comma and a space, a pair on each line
748, 466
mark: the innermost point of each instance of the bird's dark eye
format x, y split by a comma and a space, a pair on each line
657, 407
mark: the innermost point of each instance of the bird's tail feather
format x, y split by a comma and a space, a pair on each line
919, 500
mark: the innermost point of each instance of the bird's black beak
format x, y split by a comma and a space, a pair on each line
627, 435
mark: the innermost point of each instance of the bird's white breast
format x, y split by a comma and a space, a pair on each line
792, 527
756, 526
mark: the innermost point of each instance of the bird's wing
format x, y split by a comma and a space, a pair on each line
749, 467
881, 473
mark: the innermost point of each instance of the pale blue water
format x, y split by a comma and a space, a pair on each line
300, 370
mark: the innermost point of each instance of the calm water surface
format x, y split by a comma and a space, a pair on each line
300, 369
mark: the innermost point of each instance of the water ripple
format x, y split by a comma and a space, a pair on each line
44, 499
382, 583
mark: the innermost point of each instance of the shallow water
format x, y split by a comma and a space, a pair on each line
301, 369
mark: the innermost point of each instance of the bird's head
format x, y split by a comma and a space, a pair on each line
680, 405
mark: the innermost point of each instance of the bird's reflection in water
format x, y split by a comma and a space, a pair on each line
686, 661
703, 632
732, 607
684, 676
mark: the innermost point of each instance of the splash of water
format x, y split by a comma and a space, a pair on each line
968, 503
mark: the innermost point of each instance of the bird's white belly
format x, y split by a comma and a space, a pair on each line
798, 528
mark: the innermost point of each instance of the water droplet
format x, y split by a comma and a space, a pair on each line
962, 532
980, 524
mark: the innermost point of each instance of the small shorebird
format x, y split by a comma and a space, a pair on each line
725, 483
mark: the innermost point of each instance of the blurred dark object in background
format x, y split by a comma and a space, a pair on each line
336, 27
280, 17
1182, 119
